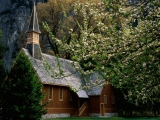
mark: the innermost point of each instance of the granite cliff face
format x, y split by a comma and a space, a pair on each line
14, 15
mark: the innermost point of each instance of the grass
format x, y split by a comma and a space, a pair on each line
105, 118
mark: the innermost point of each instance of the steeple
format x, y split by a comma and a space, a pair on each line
33, 36
33, 25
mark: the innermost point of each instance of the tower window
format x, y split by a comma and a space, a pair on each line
29, 35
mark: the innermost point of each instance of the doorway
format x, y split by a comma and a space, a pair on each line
102, 109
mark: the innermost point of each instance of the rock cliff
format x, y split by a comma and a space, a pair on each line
14, 15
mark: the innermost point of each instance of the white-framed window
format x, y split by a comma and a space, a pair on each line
60, 94
50, 93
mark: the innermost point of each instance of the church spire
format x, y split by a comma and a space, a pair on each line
33, 36
33, 25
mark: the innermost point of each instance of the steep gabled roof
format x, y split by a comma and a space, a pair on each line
49, 67
93, 78
33, 24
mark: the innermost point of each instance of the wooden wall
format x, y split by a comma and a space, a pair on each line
66, 106
56, 105
94, 104
110, 102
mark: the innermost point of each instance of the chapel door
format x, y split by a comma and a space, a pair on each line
102, 109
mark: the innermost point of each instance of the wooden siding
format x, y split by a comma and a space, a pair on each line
33, 37
85, 112
94, 102
110, 105
83, 109
72, 106
57, 106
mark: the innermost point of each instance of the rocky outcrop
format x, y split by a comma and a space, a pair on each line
14, 15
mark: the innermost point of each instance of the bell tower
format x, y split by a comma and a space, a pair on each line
33, 33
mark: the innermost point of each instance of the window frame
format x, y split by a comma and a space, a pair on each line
60, 94
70, 95
50, 93
105, 98
113, 99
29, 35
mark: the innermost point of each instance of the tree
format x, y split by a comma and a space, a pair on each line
120, 41
21, 93
60, 17
89, 30
52, 13
2, 69
136, 67
3, 50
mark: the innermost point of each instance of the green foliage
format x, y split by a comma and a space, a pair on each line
104, 118
120, 41
2, 51
2, 69
49, 68
22, 95
136, 66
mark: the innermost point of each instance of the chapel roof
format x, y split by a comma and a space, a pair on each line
96, 83
51, 66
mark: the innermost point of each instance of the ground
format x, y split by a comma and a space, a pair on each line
110, 118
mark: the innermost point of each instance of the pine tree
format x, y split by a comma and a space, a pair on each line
22, 93
2, 69
2, 51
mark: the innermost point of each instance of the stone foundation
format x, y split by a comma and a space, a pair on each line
94, 114
111, 114
106, 114
68, 115
55, 115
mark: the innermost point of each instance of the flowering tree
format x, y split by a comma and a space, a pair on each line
52, 13
120, 41
137, 66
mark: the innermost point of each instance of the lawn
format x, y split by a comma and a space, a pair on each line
109, 118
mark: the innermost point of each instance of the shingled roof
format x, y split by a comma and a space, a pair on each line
93, 78
70, 77
33, 24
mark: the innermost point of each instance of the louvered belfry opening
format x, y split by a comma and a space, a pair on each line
33, 33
